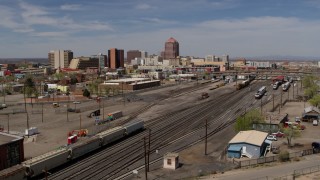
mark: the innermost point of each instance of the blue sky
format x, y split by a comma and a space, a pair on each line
240, 28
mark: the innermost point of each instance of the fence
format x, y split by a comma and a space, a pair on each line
262, 160
296, 173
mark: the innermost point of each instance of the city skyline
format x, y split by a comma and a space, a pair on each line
29, 29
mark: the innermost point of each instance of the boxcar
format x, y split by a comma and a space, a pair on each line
133, 127
83, 147
111, 135
50, 160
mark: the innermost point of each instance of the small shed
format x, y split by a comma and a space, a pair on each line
311, 113
171, 161
247, 143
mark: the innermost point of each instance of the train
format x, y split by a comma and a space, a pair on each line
286, 86
53, 159
245, 83
260, 92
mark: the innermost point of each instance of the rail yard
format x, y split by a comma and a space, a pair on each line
175, 119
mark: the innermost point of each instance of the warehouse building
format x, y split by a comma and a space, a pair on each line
250, 144
311, 113
129, 84
11, 150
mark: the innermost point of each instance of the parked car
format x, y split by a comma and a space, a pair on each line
272, 138
279, 134
55, 105
315, 122
4, 105
297, 119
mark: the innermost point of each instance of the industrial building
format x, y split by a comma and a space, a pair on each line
250, 144
11, 150
130, 84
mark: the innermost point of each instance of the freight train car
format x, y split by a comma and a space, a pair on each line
111, 135
133, 127
83, 147
13, 173
53, 159
50, 160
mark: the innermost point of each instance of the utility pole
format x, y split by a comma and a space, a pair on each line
145, 158
103, 109
292, 90
261, 106
149, 142
42, 111
206, 138
272, 102
68, 108
281, 100
4, 94
80, 122
8, 124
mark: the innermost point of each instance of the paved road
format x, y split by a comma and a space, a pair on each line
270, 172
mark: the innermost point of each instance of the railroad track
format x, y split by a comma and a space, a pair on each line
120, 158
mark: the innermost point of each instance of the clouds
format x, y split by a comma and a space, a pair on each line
202, 27
42, 21
143, 6
71, 7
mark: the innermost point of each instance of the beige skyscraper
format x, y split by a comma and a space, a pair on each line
60, 58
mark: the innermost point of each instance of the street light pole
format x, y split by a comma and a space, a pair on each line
206, 138
42, 111
8, 124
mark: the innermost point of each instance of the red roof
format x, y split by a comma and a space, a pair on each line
172, 40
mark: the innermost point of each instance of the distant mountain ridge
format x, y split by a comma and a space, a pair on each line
21, 60
280, 58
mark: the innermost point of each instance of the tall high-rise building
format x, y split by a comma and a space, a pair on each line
115, 58
60, 58
132, 54
171, 49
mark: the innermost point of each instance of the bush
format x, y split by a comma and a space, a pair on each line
284, 156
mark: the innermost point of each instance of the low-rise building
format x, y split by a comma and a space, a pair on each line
11, 150
250, 144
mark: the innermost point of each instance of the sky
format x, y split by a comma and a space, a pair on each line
239, 28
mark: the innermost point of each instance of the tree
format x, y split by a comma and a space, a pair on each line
245, 121
311, 91
86, 93
30, 87
315, 101
73, 79
291, 133
308, 81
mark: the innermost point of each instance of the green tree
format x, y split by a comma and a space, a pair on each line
245, 122
86, 93
308, 81
29, 86
58, 76
311, 91
73, 79
291, 133
315, 101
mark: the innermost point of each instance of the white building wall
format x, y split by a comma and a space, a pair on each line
59, 59
210, 58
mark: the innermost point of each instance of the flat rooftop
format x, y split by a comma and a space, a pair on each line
6, 138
